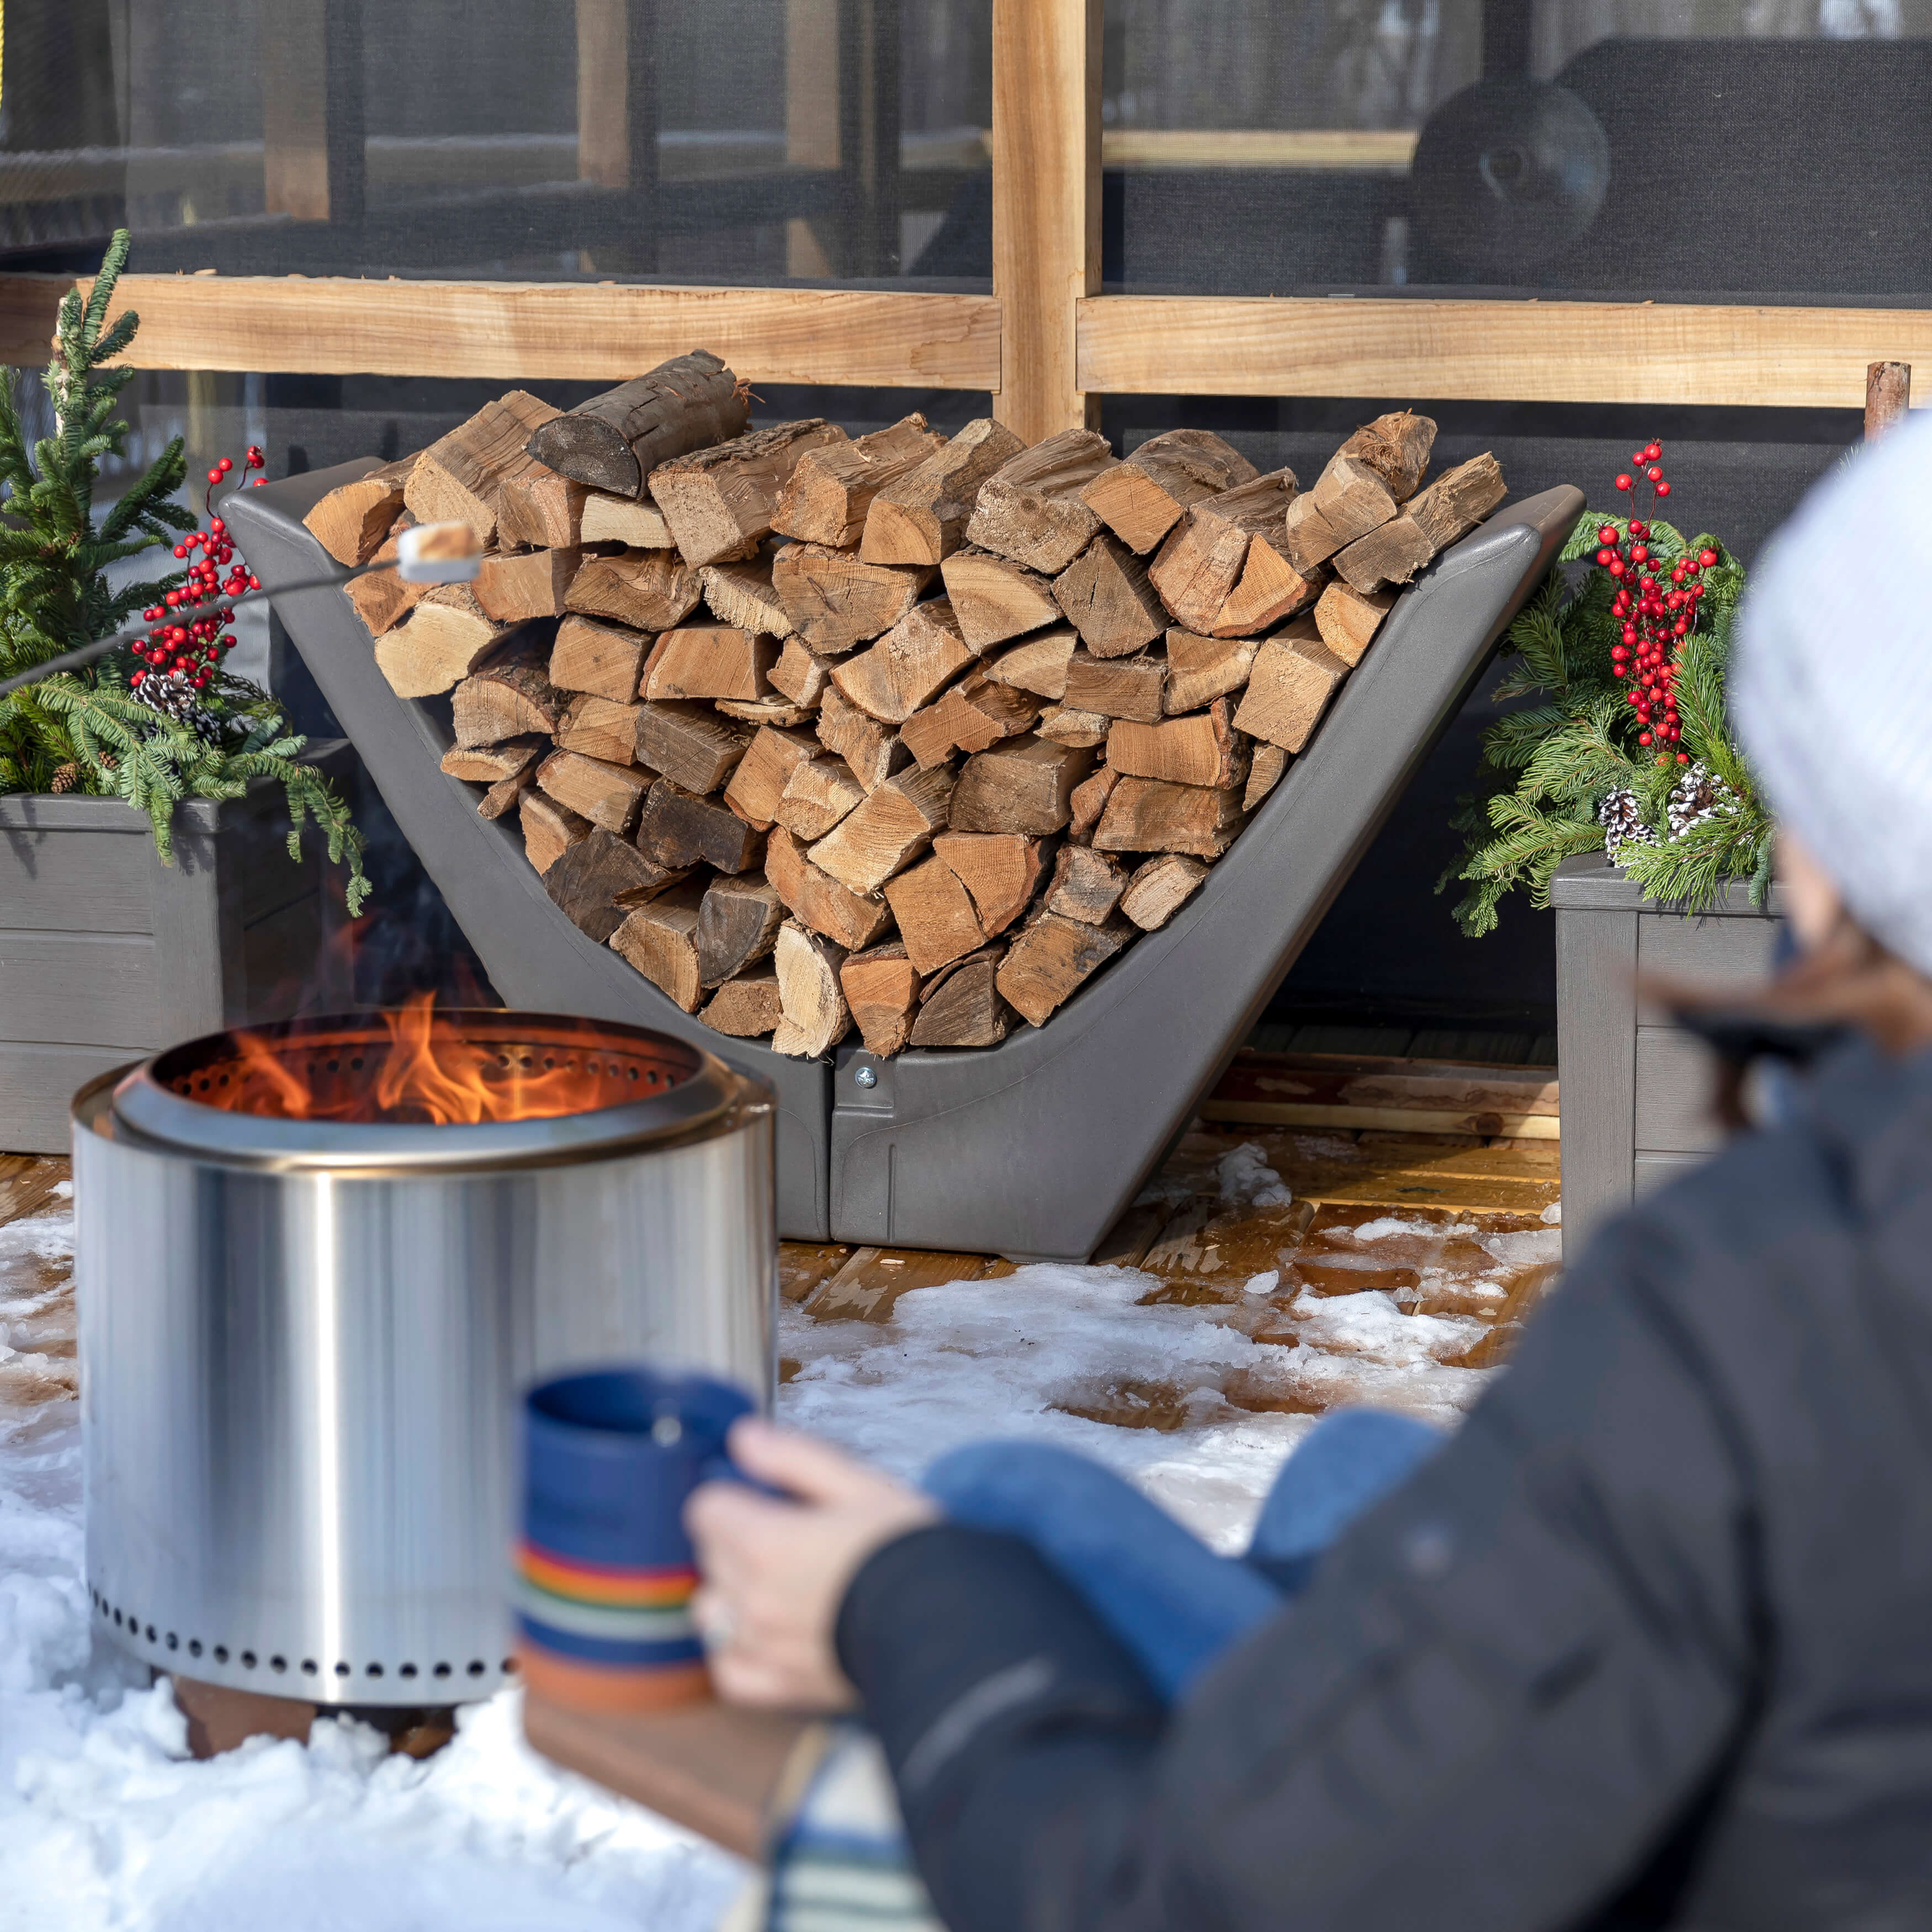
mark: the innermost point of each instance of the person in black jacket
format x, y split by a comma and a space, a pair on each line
1648, 1642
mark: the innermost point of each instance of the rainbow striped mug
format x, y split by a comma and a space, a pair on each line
603, 1572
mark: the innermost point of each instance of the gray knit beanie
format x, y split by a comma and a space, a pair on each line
1830, 686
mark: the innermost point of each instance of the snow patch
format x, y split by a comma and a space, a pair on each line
1248, 1181
1262, 1284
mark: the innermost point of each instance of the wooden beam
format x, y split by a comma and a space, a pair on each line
1546, 352
1046, 205
528, 331
312, 117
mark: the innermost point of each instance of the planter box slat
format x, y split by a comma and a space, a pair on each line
37, 1081
1705, 952
95, 987
1673, 1114
75, 886
1651, 1171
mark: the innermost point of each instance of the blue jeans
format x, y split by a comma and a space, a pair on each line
1164, 1593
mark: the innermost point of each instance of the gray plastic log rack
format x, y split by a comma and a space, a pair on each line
1031, 1148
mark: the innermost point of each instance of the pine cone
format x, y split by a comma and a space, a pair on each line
1623, 824
177, 700
1695, 797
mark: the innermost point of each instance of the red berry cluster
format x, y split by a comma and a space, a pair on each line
183, 645
1657, 613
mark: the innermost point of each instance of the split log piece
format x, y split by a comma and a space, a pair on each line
383, 600
816, 900
1024, 785
681, 830
1149, 815
532, 584
700, 661
994, 599
832, 488
890, 829
818, 795
836, 601
1200, 670
537, 509
1053, 957
800, 674
742, 594
1089, 800
1117, 687
975, 714
758, 783
1063, 724
457, 478
909, 666
505, 792
607, 660
597, 729
608, 794
1347, 501
1110, 599
1001, 871
1086, 885
1159, 888
1038, 665
1269, 588
597, 879
636, 525
1201, 748
768, 710
652, 591
511, 699
881, 989
487, 764
550, 829
1452, 506
737, 926
1200, 563
1396, 448
813, 1014
922, 518
935, 913
1348, 619
1142, 499
1030, 509
719, 502
962, 1006
1293, 677
1391, 555
873, 751
660, 940
745, 1008
691, 745
1264, 772
614, 441
352, 521
445, 638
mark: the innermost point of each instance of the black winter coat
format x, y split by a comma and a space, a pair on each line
1648, 1644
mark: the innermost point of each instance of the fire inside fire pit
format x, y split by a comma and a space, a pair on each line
418, 1066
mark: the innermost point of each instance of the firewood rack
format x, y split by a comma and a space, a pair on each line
1031, 1148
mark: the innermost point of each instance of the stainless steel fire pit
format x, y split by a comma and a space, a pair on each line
308, 1309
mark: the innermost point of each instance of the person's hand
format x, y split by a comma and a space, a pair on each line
775, 1572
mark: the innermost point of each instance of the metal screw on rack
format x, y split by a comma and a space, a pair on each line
866, 1076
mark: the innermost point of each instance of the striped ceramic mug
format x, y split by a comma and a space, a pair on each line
604, 1570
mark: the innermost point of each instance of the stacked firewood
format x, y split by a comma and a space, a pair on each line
904, 732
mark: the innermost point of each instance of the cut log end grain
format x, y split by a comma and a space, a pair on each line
1001, 871
908, 667
352, 522
936, 920
1200, 670
383, 600
719, 502
606, 660
1038, 665
550, 829
801, 675
1447, 511
922, 518
532, 584
1396, 448
1087, 885
1142, 500
443, 641
1202, 748
504, 792
1293, 677
872, 750
962, 1005
817, 794
1265, 769
741, 594
680, 830
1109, 599
814, 1016
709, 661
973, 715
652, 591
1024, 785
1392, 554
1348, 619
886, 831
737, 926
1030, 509
1150, 815
1347, 501
537, 509
1117, 687
1053, 957
660, 939
458, 477
818, 901
1159, 888
832, 488
836, 601
507, 700
994, 599
1200, 564
758, 782
597, 878
614, 520
1064, 725
1089, 801
1269, 588
609, 795
486, 764
746, 1008
691, 745
881, 989
615, 440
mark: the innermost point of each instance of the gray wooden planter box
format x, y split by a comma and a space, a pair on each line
1637, 1090
106, 954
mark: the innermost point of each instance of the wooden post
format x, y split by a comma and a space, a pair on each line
812, 118
312, 160
617, 119
1887, 396
1046, 205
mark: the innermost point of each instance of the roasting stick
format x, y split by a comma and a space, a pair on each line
429, 553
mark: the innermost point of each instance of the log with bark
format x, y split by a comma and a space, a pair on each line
614, 441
